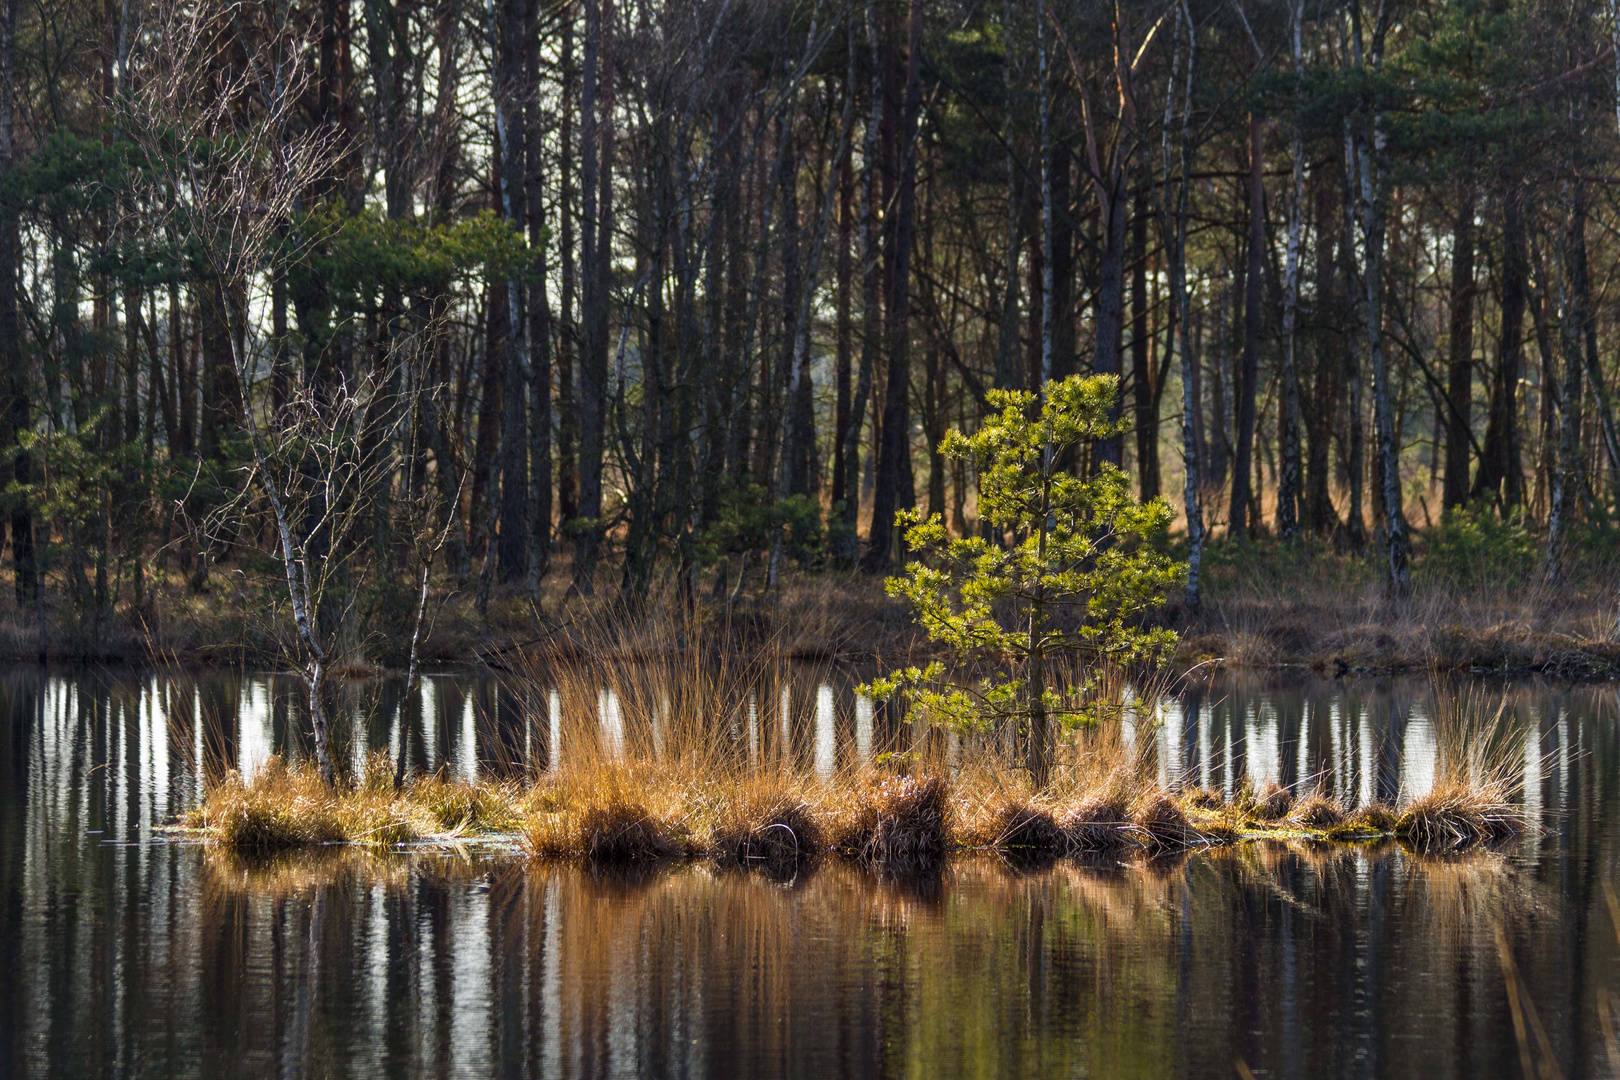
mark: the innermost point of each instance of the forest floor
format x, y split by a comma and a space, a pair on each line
1264, 606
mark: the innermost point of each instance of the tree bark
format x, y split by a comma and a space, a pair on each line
1145, 395
567, 336
1501, 474
596, 156
1110, 305
1355, 434
894, 450
1249, 377
512, 548
1326, 344
843, 325
866, 220
1288, 479
15, 409
540, 333
1389, 462
1572, 318
1460, 366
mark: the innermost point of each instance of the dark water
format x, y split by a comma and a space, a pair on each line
125, 955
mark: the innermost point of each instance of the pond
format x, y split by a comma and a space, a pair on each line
126, 953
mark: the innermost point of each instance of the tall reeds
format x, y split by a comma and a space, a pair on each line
1479, 772
685, 747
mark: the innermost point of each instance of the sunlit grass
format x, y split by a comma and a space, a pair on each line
693, 756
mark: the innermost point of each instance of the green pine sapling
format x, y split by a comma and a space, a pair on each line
1072, 567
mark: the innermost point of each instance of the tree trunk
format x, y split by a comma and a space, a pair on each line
1501, 474
843, 327
866, 220
15, 410
1572, 325
1355, 435
1110, 306
567, 337
1389, 462
1249, 377
894, 450
539, 308
1460, 368
512, 548
489, 417
1329, 367
596, 156
1007, 340
1145, 395
1288, 479
1173, 233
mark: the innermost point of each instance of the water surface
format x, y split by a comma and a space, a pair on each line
123, 954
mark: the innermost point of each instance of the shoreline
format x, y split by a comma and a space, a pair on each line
1264, 609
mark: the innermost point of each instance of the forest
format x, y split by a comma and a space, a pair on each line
316, 308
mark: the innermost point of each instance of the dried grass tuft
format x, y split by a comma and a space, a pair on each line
1455, 814
1097, 823
1273, 803
457, 806
1160, 824
603, 814
770, 830
1202, 798
1318, 810
280, 808
288, 806
900, 825
621, 832
1023, 830
1374, 817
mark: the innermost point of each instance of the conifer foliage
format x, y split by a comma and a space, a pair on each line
1067, 568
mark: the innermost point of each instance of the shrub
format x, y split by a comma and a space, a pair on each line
1083, 564
1475, 546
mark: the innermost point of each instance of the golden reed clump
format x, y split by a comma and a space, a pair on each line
688, 760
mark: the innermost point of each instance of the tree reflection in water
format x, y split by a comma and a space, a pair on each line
124, 956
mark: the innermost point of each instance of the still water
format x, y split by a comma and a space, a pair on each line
125, 954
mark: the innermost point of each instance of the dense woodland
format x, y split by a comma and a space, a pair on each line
622, 293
